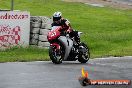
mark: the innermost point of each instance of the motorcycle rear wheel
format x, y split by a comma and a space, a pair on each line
56, 59
83, 58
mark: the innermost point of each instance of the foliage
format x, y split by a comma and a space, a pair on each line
107, 31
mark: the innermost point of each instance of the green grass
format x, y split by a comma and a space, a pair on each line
21, 54
107, 31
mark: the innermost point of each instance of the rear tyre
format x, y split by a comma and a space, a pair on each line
84, 53
54, 56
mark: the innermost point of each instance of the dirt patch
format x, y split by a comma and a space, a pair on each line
111, 3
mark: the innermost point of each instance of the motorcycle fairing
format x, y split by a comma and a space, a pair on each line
68, 44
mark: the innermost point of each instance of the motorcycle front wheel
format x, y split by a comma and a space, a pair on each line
55, 56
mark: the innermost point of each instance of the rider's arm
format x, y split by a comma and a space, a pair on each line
69, 26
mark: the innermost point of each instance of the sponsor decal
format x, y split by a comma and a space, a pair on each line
14, 16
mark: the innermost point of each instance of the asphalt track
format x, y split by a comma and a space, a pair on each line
47, 75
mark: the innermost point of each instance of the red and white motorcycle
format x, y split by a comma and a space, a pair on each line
63, 48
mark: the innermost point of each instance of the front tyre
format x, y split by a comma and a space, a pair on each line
55, 56
84, 53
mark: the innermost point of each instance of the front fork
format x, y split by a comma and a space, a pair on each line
56, 50
55, 45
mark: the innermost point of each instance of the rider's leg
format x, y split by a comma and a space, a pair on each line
76, 36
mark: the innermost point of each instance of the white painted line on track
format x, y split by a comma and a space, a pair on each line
112, 58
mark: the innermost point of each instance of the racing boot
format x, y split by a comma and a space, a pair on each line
77, 39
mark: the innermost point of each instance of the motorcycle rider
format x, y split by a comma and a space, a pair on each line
66, 27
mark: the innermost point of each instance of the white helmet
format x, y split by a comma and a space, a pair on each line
57, 16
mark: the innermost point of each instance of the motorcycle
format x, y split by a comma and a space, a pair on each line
63, 48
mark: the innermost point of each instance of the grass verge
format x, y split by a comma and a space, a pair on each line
21, 54
107, 31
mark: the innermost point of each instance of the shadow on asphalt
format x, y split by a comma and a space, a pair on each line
70, 63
